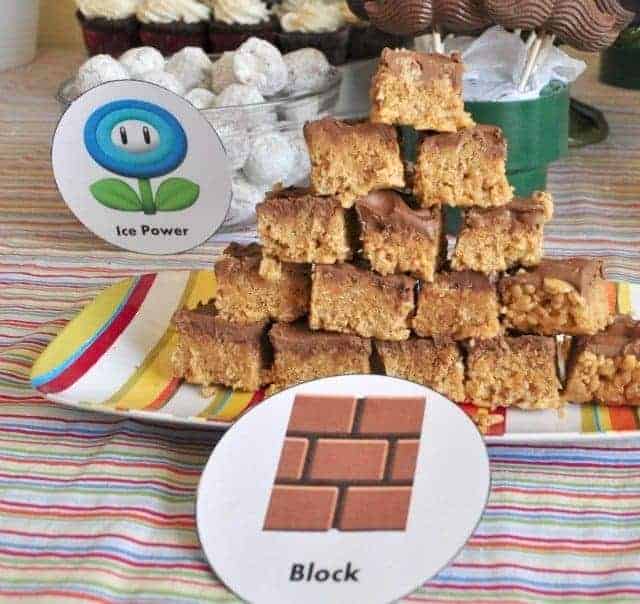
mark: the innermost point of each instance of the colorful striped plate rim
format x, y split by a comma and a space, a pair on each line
115, 357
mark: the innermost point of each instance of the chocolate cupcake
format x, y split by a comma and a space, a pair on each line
171, 25
108, 26
235, 21
310, 23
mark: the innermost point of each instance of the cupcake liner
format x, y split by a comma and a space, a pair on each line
109, 36
368, 42
333, 44
224, 37
169, 38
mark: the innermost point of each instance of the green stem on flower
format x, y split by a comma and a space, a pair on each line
146, 196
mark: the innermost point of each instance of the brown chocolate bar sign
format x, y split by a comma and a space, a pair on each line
337, 489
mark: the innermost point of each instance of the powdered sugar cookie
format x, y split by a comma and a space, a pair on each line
165, 80
201, 98
99, 70
138, 61
222, 74
271, 160
260, 64
191, 66
308, 69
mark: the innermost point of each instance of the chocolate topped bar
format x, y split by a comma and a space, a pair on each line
398, 239
501, 238
352, 159
347, 463
295, 225
513, 371
418, 89
245, 296
465, 168
350, 299
212, 351
567, 296
457, 305
605, 367
300, 355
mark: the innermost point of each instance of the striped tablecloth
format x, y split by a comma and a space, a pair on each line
98, 509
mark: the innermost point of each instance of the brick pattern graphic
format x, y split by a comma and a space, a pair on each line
347, 463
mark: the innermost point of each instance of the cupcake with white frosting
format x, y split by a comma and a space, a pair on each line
171, 25
108, 26
317, 24
235, 21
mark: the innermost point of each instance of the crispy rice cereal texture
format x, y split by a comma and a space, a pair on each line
420, 90
352, 159
457, 305
466, 168
510, 371
558, 297
245, 296
436, 364
397, 239
296, 225
211, 350
498, 239
349, 299
605, 368
301, 355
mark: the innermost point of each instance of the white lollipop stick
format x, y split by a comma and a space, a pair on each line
533, 55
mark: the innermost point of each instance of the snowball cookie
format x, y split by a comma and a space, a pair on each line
222, 74
201, 98
271, 160
241, 95
233, 136
99, 70
165, 80
144, 59
191, 66
299, 175
308, 70
258, 63
244, 200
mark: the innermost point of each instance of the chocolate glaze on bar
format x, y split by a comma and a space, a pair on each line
530, 211
242, 258
366, 449
465, 280
622, 337
340, 273
298, 338
337, 130
489, 138
432, 66
534, 344
385, 207
581, 273
203, 321
284, 202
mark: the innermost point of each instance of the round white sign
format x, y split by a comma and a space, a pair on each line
353, 489
142, 168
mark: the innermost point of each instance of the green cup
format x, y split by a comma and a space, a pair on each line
620, 66
537, 133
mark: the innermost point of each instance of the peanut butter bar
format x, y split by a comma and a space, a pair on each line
497, 239
397, 239
296, 225
457, 305
605, 368
509, 371
466, 168
244, 296
420, 90
211, 350
350, 299
558, 297
352, 159
301, 355
436, 364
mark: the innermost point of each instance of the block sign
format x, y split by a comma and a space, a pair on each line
349, 489
141, 168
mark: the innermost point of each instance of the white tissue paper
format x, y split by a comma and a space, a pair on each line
495, 62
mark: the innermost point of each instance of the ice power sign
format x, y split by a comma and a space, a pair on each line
141, 168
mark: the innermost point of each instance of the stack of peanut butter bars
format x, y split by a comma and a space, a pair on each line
355, 274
